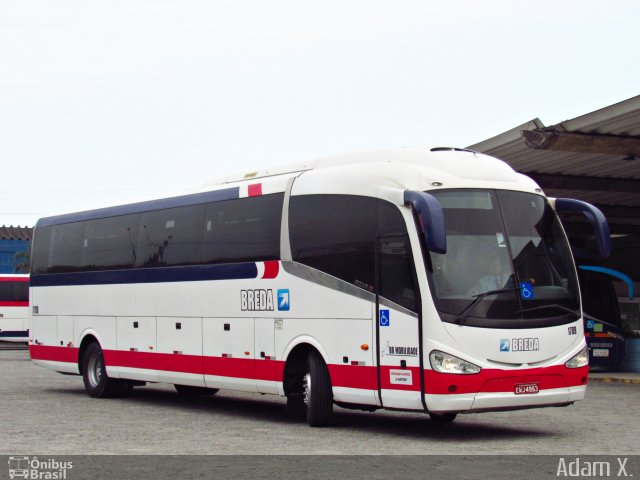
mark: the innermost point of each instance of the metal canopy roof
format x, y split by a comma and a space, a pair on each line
594, 157
15, 233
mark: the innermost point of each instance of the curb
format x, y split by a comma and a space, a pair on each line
634, 381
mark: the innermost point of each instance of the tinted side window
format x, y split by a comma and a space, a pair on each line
14, 291
66, 248
110, 243
171, 237
22, 291
337, 234
397, 272
599, 300
40, 250
243, 230
239, 230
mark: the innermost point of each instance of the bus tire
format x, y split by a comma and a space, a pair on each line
94, 373
191, 391
317, 393
443, 417
296, 408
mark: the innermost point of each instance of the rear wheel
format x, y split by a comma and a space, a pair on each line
316, 391
191, 391
94, 373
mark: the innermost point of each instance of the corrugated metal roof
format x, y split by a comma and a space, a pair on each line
619, 119
15, 233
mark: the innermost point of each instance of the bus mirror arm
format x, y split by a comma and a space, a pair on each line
431, 217
594, 215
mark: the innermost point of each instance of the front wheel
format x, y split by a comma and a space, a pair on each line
316, 391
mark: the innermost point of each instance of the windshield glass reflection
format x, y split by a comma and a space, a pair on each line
509, 244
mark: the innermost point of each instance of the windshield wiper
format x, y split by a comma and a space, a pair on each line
552, 305
468, 309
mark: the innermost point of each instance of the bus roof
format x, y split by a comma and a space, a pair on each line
446, 163
369, 172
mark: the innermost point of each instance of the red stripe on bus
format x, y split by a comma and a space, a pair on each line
366, 377
54, 354
14, 279
271, 269
14, 304
154, 361
256, 369
254, 189
225, 367
350, 376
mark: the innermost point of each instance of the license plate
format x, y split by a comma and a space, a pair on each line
600, 352
526, 388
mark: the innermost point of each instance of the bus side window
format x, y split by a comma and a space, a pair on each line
14, 291
40, 256
171, 237
337, 234
66, 248
396, 272
243, 230
110, 243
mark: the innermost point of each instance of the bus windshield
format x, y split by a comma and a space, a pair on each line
508, 264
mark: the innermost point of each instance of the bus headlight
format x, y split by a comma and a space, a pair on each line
581, 359
445, 363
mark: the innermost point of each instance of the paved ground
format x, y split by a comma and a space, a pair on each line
43, 411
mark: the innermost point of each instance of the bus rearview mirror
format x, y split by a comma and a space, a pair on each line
431, 217
594, 215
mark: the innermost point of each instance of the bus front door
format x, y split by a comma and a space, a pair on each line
398, 326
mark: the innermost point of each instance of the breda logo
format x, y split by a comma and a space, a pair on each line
520, 344
258, 300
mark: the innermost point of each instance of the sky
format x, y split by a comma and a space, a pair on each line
106, 101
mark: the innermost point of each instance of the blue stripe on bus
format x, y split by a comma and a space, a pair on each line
14, 334
226, 271
172, 202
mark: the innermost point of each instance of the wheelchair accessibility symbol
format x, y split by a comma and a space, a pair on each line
384, 318
526, 290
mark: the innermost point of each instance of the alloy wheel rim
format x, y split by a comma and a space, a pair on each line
95, 370
306, 385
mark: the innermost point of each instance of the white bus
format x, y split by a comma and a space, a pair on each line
14, 307
438, 281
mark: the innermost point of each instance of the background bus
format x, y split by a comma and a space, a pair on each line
603, 325
14, 308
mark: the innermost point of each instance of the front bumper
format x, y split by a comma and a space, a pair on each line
494, 389
497, 401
